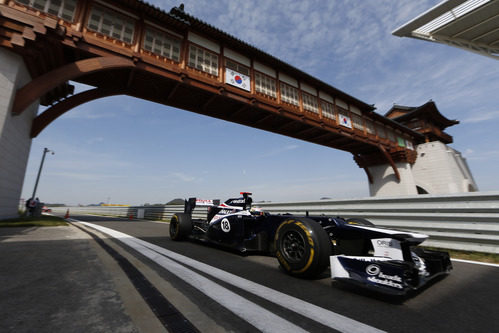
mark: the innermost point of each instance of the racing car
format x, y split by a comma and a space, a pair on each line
357, 251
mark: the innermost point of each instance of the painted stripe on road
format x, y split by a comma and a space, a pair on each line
475, 262
311, 311
254, 314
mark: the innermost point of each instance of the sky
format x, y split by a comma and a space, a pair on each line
122, 150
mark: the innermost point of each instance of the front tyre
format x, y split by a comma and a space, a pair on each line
180, 226
302, 247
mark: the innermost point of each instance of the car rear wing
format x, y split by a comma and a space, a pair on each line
191, 203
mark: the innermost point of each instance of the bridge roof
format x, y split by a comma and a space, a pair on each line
469, 24
73, 50
429, 109
182, 17
188, 21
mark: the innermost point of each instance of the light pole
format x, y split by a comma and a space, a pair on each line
45, 151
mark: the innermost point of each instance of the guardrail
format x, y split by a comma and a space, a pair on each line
158, 213
462, 221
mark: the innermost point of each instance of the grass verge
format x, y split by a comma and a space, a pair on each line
42, 221
491, 258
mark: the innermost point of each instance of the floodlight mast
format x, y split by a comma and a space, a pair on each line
45, 151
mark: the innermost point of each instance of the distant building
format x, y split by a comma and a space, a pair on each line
438, 169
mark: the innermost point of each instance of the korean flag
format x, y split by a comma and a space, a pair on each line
345, 121
237, 79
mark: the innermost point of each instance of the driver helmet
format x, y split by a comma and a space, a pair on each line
256, 210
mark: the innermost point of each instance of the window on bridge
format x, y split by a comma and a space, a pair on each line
328, 110
162, 44
64, 9
370, 127
390, 135
310, 102
289, 94
237, 67
357, 122
265, 84
111, 24
381, 131
203, 60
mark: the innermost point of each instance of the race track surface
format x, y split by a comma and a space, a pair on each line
464, 301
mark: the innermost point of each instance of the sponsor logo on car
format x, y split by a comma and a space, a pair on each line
373, 269
377, 276
204, 202
238, 201
384, 243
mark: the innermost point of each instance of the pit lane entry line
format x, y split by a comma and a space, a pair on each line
254, 314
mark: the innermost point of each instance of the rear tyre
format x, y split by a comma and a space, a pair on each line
302, 247
180, 226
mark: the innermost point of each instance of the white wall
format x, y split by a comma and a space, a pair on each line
440, 169
385, 182
15, 141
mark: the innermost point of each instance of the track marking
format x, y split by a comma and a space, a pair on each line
254, 314
475, 262
232, 301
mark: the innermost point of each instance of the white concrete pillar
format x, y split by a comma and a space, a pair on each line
15, 141
440, 169
385, 182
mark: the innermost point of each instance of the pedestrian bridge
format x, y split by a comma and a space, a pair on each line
132, 48
175, 59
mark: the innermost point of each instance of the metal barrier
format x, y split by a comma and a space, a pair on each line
462, 221
157, 213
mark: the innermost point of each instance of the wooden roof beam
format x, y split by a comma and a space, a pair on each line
39, 86
48, 116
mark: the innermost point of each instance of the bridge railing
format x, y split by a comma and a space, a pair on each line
462, 221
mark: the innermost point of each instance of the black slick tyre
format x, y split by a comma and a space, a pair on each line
180, 226
302, 247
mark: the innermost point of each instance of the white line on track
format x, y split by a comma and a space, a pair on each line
254, 314
257, 316
475, 262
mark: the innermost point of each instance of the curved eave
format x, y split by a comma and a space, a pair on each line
429, 109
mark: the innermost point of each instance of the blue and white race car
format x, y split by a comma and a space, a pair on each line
385, 260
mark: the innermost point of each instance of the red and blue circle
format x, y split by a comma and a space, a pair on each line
238, 79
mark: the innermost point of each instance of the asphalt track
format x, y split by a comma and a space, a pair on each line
252, 294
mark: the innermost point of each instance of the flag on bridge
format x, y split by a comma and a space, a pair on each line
345, 121
237, 79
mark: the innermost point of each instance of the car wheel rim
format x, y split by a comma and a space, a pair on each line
293, 246
173, 228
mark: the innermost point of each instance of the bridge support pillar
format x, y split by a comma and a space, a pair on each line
15, 140
385, 182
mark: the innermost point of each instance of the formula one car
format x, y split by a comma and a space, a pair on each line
357, 251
